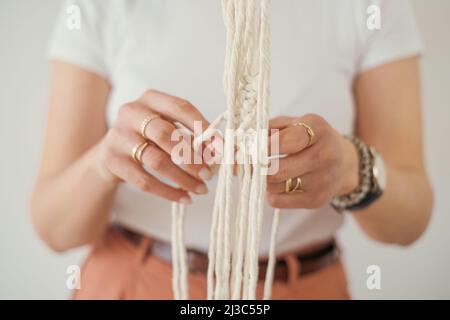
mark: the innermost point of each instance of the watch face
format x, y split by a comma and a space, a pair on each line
379, 171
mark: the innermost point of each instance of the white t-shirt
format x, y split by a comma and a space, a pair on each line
177, 46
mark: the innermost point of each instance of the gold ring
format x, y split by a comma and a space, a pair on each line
147, 121
138, 151
298, 186
309, 131
288, 185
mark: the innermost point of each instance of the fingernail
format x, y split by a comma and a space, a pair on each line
205, 174
201, 189
185, 200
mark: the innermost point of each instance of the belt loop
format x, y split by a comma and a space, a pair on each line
293, 267
143, 250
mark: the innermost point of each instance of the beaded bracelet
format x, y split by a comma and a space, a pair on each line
351, 200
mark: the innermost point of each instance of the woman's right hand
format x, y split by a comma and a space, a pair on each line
115, 160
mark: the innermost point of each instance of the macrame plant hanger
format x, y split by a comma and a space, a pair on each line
233, 252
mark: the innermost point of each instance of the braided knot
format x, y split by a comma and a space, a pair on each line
248, 100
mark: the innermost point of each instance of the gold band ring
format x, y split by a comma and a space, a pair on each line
309, 131
298, 186
288, 185
147, 121
138, 151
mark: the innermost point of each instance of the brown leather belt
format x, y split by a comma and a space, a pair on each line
309, 262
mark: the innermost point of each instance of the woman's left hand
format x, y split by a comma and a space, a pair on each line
326, 162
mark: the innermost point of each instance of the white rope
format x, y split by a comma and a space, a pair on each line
234, 252
179, 263
175, 262
272, 257
182, 254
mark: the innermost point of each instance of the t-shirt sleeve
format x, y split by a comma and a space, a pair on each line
397, 37
79, 36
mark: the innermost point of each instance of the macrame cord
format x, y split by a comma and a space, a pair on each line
234, 252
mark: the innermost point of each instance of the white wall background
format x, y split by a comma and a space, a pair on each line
29, 270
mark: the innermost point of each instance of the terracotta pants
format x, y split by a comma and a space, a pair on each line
117, 269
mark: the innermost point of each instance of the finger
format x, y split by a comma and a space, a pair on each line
297, 201
294, 137
294, 165
308, 183
160, 161
317, 192
128, 170
281, 122
179, 148
176, 109
158, 130
163, 133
